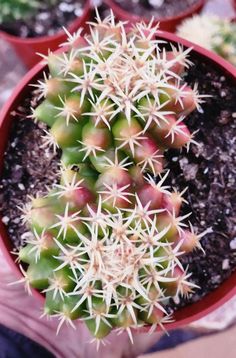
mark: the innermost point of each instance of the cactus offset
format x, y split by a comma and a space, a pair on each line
107, 238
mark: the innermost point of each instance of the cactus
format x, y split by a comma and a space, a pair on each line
107, 239
212, 33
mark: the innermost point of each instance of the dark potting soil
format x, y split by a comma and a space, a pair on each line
48, 20
28, 169
208, 170
157, 8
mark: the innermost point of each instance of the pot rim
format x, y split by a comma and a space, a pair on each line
124, 13
45, 38
187, 314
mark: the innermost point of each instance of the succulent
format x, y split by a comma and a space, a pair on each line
106, 240
213, 33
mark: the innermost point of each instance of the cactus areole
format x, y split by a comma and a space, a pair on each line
106, 240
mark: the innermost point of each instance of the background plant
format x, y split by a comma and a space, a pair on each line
106, 240
213, 33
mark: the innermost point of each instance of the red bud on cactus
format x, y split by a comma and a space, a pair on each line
55, 87
80, 197
42, 214
177, 66
152, 192
117, 176
95, 139
149, 194
148, 156
181, 285
159, 132
115, 187
164, 220
71, 108
190, 240
173, 201
137, 176
174, 134
181, 100
154, 318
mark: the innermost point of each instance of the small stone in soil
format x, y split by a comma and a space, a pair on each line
233, 244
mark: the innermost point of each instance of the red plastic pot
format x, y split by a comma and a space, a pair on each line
184, 315
234, 4
27, 48
167, 24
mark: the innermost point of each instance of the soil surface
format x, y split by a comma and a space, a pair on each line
48, 20
209, 172
157, 8
207, 169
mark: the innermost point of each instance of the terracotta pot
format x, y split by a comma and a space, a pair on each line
167, 24
27, 48
184, 315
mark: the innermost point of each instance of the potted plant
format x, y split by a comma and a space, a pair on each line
36, 26
107, 243
211, 32
168, 14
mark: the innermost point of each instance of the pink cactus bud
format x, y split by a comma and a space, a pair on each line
173, 202
172, 134
116, 189
164, 220
150, 194
115, 32
94, 137
159, 132
137, 176
80, 42
171, 288
148, 156
112, 176
79, 197
191, 240
56, 87
181, 100
181, 285
178, 137
156, 316
177, 67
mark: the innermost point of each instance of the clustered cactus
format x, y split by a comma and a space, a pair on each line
213, 33
107, 239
